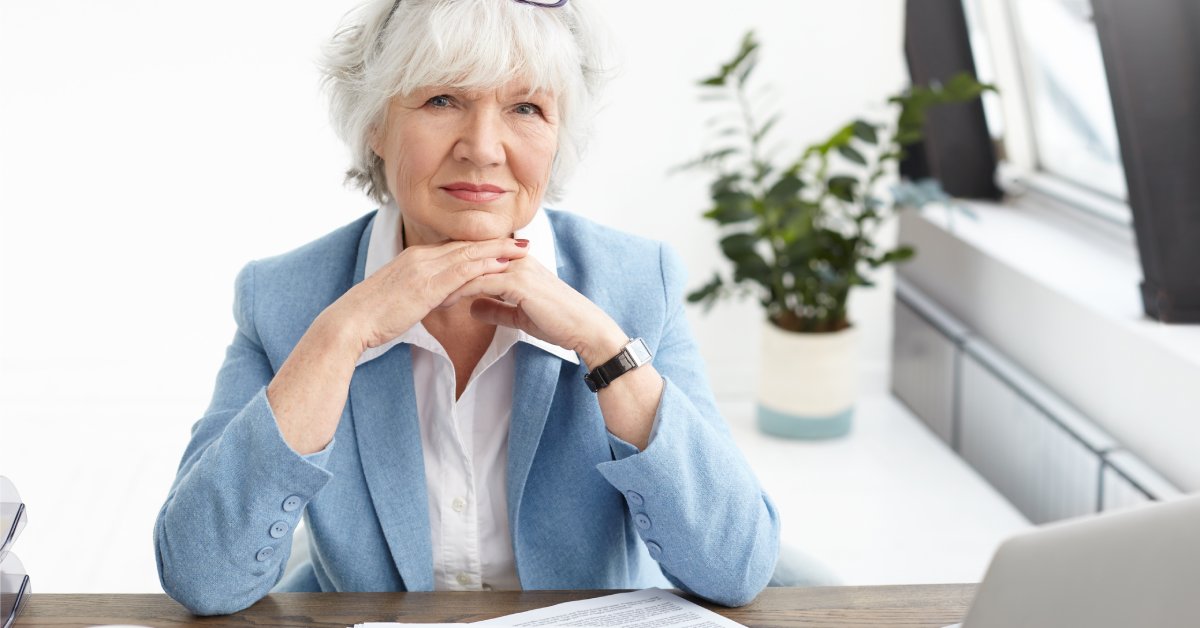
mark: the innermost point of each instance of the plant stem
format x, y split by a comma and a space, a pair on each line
778, 290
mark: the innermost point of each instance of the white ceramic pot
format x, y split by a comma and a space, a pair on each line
807, 382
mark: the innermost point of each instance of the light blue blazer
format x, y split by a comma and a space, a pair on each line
586, 510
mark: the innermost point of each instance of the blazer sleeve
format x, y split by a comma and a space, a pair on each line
693, 498
224, 535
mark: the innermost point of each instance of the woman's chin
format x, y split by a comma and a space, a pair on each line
480, 226
477, 234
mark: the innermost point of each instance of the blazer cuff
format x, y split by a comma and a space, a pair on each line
621, 449
235, 507
319, 458
697, 506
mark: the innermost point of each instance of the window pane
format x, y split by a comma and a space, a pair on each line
984, 69
1069, 102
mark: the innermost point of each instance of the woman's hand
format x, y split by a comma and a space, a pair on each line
416, 281
531, 298
308, 393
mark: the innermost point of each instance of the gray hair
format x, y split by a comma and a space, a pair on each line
386, 48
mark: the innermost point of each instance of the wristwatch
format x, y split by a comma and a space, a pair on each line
634, 354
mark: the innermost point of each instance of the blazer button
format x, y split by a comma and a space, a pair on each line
278, 529
654, 549
634, 498
642, 521
292, 503
265, 553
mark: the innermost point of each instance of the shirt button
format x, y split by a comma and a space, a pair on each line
463, 579
654, 549
292, 503
634, 498
642, 521
278, 529
458, 504
265, 553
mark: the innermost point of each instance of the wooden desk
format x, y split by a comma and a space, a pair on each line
910, 605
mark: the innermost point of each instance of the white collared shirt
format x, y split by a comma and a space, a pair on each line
464, 442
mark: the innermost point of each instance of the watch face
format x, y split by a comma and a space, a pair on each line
639, 352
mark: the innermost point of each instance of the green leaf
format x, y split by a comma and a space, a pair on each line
732, 207
725, 183
749, 45
962, 87
798, 222
754, 268
708, 293
899, 254
865, 132
747, 69
747, 48
739, 246
707, 158
761, 170
908, 137
848, 152
841, 138
766, 128
785, 189
745, 51
843, 187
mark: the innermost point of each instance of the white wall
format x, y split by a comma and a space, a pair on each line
149, 149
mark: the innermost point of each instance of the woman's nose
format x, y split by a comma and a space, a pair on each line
481, 141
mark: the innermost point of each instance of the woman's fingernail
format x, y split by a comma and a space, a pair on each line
522, 243
502, 260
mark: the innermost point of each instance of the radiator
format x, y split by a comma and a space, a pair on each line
1041, 453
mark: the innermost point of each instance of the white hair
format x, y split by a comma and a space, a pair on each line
386, 48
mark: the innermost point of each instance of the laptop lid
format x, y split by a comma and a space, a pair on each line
1138, 567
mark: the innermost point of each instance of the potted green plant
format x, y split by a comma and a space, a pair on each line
800, 235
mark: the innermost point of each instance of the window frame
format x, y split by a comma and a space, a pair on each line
1024, 168
1147, 48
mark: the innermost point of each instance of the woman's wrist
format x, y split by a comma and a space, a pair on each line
308, 392
340, 332
602, 346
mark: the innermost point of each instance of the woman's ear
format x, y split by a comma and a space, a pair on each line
377, 136
375, 140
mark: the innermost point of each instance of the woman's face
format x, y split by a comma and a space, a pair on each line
468, 165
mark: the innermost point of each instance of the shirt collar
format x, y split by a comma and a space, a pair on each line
384, 245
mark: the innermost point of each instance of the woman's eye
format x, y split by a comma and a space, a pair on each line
439, 101
527, 109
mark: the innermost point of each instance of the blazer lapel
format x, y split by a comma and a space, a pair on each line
383, 409
533, 391
534, 387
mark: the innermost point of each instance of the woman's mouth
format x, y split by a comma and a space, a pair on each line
474, 193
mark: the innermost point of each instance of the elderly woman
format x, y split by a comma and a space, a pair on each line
456, 391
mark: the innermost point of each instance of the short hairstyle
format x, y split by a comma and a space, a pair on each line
386, 48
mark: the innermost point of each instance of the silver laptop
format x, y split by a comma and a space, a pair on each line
1138, 567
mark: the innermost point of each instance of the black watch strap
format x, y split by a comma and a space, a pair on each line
634, 354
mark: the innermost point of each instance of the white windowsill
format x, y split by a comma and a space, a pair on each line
1057, 291
1093, 264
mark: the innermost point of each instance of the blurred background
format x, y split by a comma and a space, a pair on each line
148, 150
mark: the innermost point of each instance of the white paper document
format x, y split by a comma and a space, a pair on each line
648, 608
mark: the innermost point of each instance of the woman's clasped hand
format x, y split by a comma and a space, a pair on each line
417, 281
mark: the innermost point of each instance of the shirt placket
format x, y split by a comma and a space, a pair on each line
461, 537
